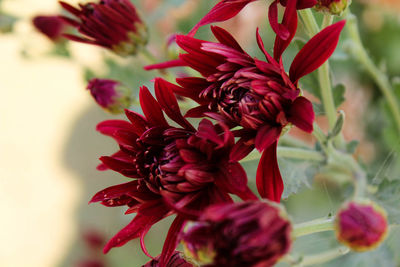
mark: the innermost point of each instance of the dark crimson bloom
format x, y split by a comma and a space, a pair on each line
110, 95
361, 225
112, 24
227, 9
51, 26
250, 233
174, 170
176, 260
239, 90
335, 7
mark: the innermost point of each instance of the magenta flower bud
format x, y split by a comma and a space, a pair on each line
51, 26
361, 225
251, 233
176, 260
110, 95
112, 24
334, 7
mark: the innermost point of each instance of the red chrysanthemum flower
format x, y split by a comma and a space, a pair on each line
227, 9
251, 233
260, 96
176, 260
175, 170
112, 24
51, 26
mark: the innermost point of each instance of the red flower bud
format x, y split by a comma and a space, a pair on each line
110, 95
335, 7
112, 24
361, 225
252, 233
51, 26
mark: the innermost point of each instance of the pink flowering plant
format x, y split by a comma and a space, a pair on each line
239, 145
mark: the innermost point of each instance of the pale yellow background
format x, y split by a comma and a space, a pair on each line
41, 98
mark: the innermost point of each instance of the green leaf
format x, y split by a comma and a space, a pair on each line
337, 128
352, 146
338, 94
296, 174
388, 196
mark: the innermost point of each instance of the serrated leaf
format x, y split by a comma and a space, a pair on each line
388, 196
296, 174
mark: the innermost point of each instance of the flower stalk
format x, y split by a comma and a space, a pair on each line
314, 226
290, 152
358, 51
323, 256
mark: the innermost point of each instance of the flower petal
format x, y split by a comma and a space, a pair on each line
269, 180
301, 114
172, 240
266, 136
222, 11
165, 65
290, 23
316, 51
224, 37
151, 108
279, 29
169, 104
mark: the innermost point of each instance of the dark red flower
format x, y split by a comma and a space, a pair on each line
227, 9
112, 24
51, 26
175, 170
361, 225
176, 260
251, 233
260, 96
110, 95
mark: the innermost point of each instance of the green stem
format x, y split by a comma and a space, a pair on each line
290, 152
152, 60
381, 79
323, 72
314, 226
323, 256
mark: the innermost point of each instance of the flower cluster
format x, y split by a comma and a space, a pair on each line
191, 172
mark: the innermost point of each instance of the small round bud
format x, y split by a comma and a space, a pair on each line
50, 26
361, 225
334, 7
251, 233
110, 95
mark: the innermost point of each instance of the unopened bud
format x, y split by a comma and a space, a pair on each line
334, 7
361, 225
110, 95
50, 26
177, 260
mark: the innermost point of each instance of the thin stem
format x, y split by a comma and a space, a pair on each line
381, 79
290, 152
324, 256
314, 226
323, 72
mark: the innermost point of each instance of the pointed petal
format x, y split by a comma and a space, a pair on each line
132, 230
151, 108
165, 65
224, 37
169, 104
240, 150
269, 181
222, 11
301, 4
301, 114
139, 123
266, 136
290, 23
316, 51
172, 240
115, 191
262, 47
197, 112
279, 29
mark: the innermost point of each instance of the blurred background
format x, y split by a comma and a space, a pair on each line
49, 148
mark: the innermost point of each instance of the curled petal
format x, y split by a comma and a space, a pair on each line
279, 29
301, 114
269, 180
316, 51
266, 136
